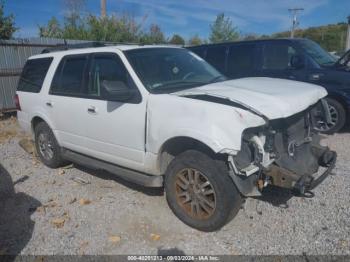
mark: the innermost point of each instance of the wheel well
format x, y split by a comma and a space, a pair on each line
178, 145
35, 121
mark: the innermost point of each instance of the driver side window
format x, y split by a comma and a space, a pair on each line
106, 68
277, 56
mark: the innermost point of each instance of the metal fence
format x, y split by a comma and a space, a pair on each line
13, 55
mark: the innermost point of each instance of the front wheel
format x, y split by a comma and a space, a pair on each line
337, 115
200, 192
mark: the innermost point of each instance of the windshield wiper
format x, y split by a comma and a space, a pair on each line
176, 85
329, 63
215, 79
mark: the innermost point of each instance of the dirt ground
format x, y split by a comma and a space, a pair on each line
74, 210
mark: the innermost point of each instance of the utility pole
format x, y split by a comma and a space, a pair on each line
347, 46
103, 8
295, 22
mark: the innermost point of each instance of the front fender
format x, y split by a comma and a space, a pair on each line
218, 126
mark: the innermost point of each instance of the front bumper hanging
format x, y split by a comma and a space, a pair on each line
301, 184
330, 165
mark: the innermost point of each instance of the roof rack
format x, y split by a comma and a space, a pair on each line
65, 46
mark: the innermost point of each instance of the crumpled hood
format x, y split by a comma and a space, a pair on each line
271, 97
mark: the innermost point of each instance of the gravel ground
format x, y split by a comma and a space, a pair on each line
79, 211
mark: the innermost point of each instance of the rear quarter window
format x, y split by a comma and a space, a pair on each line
33, 75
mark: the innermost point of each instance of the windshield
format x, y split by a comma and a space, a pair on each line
321, 56
345, 59
165, 70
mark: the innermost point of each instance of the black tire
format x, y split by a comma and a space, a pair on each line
227, 198
340, 111
56, 160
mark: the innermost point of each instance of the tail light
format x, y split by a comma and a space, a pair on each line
18, 105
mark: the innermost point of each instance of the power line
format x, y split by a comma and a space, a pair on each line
295, 22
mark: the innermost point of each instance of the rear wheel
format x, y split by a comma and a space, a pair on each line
47, 147
338, 118
200, 192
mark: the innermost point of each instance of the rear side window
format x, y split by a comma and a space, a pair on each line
216, 57
69, 76
241, 60
33, 75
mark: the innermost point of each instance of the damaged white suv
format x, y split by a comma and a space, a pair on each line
163, 116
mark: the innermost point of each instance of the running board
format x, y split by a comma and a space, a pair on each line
124, 173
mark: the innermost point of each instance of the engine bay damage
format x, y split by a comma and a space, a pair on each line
285, 153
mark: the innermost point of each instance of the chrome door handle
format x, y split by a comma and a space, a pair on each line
92, 109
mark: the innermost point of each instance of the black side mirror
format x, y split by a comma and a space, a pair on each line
116, 91
297, 62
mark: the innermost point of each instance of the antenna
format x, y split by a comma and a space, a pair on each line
295, 22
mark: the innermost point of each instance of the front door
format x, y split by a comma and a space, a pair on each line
115, 131
276, 61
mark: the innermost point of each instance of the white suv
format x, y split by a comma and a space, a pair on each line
159, 116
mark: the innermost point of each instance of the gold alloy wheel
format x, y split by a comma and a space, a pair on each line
195, 194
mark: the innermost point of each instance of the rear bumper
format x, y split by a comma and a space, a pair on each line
23, 122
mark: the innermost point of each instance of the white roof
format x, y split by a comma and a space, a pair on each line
99, 49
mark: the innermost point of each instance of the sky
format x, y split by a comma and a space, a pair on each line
190, 17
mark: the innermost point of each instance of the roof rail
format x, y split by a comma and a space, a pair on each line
65, 46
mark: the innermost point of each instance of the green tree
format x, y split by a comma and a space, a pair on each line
53, 29
250, 36
154, 36
113, 28
7, 23
177, 40
222, 30
195, 40
331, 37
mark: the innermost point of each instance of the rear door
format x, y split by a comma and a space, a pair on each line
65, 103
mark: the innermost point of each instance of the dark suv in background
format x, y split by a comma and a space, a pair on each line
295, 59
